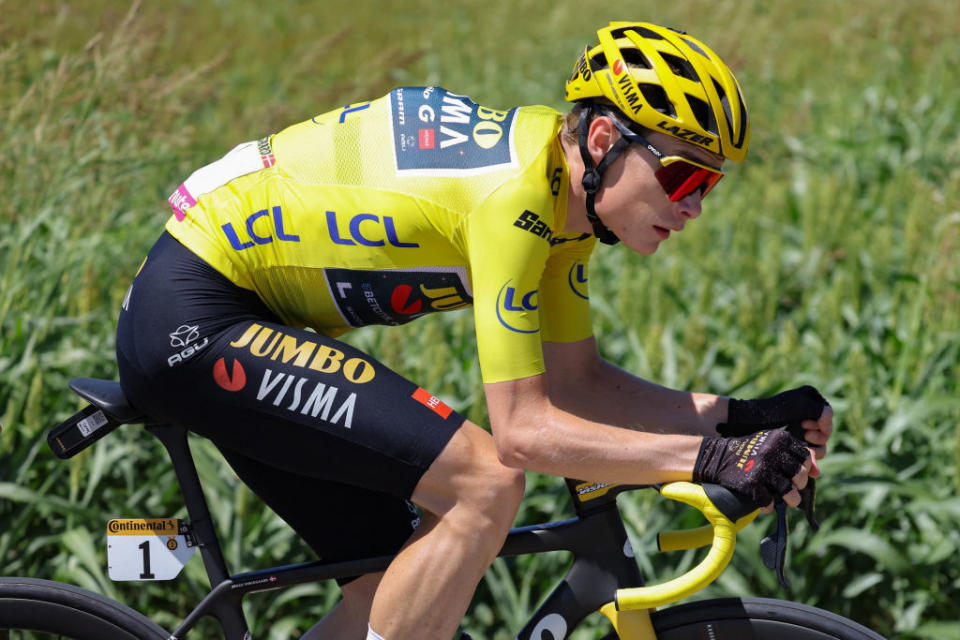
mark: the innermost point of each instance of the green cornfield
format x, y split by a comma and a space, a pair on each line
830, 257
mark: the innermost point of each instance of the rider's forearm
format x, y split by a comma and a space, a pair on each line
559, 443
531, 433
613, 396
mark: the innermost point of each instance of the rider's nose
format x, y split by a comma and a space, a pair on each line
690, 206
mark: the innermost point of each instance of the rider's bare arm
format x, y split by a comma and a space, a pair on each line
583, 383
532, 432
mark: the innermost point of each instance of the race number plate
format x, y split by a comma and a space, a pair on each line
147, 549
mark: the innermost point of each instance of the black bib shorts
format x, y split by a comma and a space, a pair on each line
328, 437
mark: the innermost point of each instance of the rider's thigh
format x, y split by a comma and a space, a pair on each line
468, 473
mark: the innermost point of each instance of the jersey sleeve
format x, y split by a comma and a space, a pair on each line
564, 292
506, 263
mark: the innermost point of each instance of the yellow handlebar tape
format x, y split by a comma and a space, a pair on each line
696, 538
724, 542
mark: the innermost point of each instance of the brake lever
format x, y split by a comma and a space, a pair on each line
773, 548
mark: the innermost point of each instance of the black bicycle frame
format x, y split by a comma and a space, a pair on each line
603, 559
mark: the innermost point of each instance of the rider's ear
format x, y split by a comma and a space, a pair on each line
601, 136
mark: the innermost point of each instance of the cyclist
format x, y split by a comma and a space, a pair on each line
420, 201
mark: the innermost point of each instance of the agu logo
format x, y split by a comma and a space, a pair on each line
513, 308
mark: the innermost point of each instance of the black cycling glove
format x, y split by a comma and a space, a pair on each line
790, 407
760, 466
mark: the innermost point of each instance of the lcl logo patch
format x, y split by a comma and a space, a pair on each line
514, 308
577, 279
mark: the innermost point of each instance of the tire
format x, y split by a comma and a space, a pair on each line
30, 605
747, 618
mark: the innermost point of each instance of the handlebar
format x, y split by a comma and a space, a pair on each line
726, 514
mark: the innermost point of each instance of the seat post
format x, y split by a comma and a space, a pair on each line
174, 439
224, 607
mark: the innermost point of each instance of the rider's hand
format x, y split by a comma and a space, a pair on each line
804, 405
761, 466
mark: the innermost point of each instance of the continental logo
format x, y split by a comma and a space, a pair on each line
264, 342
144, 526
591, 490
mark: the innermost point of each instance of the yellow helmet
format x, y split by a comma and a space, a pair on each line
666, 81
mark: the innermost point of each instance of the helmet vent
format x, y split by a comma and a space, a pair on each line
598, 62
696, 47
641, 31
657, 98
743, 120
725, 102
635, 57
703, 113
680, 67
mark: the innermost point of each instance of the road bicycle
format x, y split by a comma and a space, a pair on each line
604, 576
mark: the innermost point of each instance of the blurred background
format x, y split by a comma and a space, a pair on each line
831, 257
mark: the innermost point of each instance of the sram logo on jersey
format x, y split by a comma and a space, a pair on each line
436, 132
264, 342
529, 221
515, 307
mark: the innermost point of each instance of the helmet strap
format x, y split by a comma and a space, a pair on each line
593, 176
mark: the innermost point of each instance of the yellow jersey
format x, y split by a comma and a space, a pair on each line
383, 211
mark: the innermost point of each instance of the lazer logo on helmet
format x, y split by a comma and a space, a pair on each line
684, 134
264, 342
514, 308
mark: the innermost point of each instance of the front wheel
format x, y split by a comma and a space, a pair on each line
749, 618
30, 608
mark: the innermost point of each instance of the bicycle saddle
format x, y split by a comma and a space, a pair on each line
108, 396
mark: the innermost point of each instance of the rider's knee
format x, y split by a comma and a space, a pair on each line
494, 496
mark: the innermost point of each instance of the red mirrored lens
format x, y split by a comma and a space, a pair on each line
679, 179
